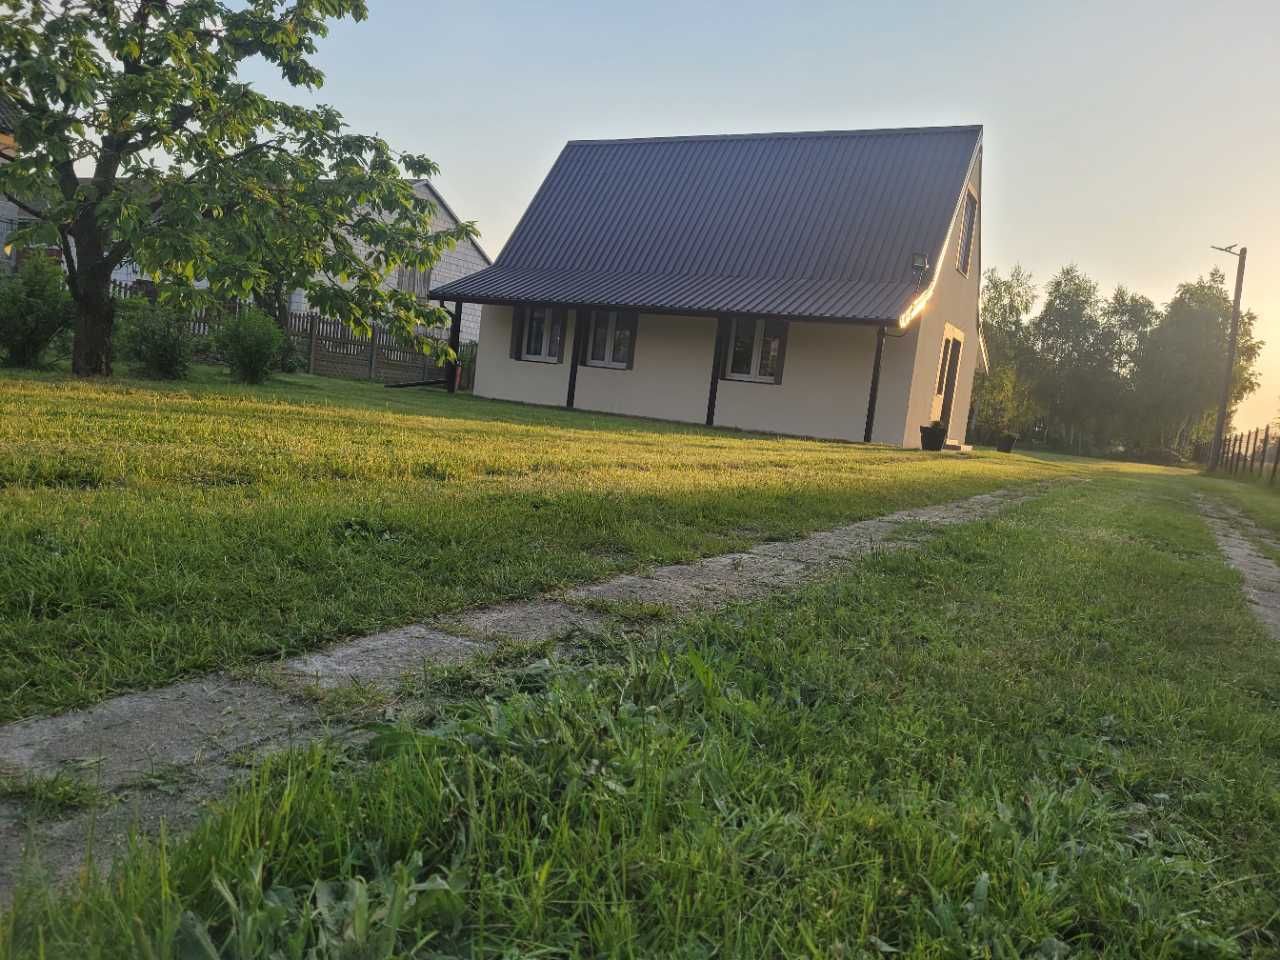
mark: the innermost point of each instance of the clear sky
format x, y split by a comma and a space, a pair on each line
1123, 136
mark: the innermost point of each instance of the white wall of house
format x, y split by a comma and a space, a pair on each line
826, 380
670, 375
909, 372
502, 378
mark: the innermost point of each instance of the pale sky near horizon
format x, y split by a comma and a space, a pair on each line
1124, 137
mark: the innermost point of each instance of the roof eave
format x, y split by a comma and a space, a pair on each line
442, 293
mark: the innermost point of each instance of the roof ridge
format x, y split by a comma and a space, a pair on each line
787, 134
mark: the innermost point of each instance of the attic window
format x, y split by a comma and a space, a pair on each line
964, 255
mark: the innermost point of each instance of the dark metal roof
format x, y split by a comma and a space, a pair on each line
818, 225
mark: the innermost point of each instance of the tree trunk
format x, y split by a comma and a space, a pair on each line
274, 302
90, 283
95, 318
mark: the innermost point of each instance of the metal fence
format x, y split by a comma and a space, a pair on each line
1251, 455
331, 349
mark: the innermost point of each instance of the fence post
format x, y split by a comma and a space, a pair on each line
1235, 461
1275, 463
1235, 449
373, 350
1262, 457
313, 337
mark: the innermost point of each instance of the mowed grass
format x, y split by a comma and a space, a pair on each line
150, 532
1053, 734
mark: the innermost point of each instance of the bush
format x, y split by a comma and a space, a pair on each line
155, 339
290, 360
249, 343
35, 307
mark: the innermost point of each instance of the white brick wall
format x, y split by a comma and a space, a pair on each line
463, 260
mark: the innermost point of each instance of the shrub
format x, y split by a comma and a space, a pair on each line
290, 360
249, 343
35, 307
155, 339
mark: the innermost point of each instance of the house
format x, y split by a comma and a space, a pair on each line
816, 284
10, 215
464, 259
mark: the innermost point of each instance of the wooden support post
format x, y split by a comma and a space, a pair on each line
1262, 457
455, 342
576, 346
1235, 466
717, 367
314, 343
1253, 450
875, 386
373, 351
1275, 463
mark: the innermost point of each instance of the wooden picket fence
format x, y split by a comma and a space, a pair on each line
1245, 455
332, 349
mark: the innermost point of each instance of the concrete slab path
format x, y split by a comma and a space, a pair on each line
158, 755
1239, 539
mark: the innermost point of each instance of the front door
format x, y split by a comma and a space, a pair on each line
949, 389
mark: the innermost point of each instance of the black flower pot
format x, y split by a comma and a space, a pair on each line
932, 438
1005, 444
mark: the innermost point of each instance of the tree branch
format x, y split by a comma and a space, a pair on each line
69, 261
24, 207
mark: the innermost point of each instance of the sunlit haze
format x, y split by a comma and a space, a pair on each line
1123, 137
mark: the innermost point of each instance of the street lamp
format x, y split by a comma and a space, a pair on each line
1215, 453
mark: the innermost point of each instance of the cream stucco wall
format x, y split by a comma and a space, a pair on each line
502, 378
670, 375
826, 380
823, 393
909, 372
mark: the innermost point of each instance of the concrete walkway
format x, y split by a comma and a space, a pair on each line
160, 754
1238, 538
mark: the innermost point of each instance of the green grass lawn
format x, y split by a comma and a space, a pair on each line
152, 531
1053, 734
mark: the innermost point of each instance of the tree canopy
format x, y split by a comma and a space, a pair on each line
1093, 374
137, 140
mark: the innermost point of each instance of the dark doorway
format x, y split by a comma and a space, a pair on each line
949, 390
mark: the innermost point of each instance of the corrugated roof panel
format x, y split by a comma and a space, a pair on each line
795, 224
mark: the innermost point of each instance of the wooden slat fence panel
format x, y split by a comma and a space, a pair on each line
331, 349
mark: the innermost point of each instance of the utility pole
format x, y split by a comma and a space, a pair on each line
1215, 454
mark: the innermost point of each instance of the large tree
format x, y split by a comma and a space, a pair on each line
137, 140
1003, 397
1179, 376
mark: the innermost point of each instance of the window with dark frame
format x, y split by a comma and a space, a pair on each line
964, 254
755, 350
612, 339
543, 335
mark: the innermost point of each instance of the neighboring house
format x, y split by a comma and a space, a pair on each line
816, 284
464, 259
10, 215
